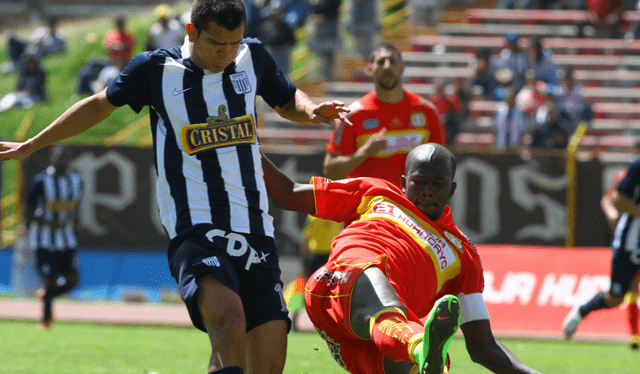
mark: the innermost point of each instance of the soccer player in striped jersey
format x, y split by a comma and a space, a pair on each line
401, 277
625, 259
50, 217
210, 188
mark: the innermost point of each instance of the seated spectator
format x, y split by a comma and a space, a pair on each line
571, 104
97, 74
509, 66
30, 87
166, 32
484, 77
605, 19
510, 122
541, 63
44, 41
277, 37
447, 106
529, 98
550, 134
119, 43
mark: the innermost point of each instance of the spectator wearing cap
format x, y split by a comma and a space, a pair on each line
166, 32
510, 65
510, 122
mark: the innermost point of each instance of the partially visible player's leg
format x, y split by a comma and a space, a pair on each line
623, 271
223, 317
376, 303
267, 348
631, 310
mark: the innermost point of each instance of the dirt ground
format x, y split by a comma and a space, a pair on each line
30, 309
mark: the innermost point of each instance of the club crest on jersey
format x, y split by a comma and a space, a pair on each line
418, 119
240, 83
219, 131
371, 123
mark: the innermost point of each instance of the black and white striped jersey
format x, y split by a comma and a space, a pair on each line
53, 201
206, 149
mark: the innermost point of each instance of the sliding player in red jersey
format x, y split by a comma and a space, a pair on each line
401, 276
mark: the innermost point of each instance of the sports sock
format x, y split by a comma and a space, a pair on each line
47, 301
632, 312
597, 302
395, 337
229, 370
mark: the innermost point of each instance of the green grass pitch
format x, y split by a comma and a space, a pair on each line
70, 348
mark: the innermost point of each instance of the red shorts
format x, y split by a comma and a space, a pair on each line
328, 303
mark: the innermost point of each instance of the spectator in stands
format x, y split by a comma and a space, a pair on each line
550, 133
30, 87
254, 19
277, 37
510, 122
44, 41
448, 107
542, 64
484, 77
296, 13
97, 74
325, 39
529, 98
166, 32
509, 66
119, 43
604, 19
364, 26
571, 103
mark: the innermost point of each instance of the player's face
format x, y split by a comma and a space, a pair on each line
216, 47
386, 69
428, 185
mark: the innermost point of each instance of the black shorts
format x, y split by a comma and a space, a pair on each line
313, 261
247, 264
52, 263
624, 267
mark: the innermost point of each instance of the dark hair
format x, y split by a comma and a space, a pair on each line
387, 46
229, 14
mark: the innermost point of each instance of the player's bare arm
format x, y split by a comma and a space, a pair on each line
80, 117
285, 193
625, 204
302, 109
338, 166
485, 350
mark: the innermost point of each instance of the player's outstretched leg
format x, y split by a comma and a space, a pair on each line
440, 328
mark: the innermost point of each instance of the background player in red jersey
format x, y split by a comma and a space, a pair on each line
387, 123
385, 300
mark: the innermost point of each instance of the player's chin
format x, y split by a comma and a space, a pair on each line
431, 210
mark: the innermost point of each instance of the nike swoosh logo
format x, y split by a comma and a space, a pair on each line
441, 317
177, 92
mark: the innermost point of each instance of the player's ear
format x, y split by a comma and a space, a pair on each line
453, 189
403, 181
191, 31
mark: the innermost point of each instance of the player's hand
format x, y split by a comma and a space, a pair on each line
330, 111
376, 142
13, 151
